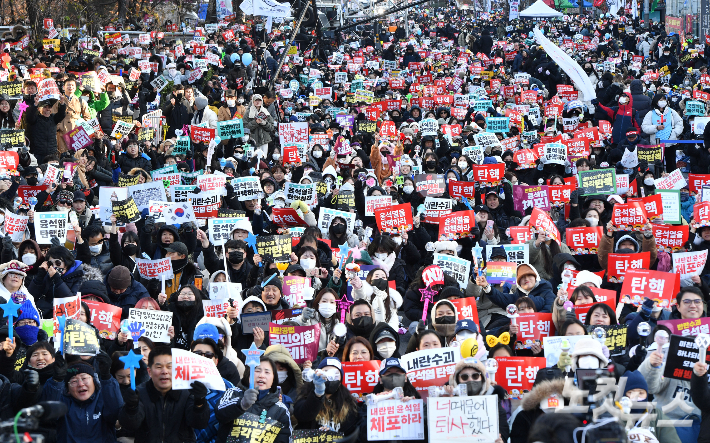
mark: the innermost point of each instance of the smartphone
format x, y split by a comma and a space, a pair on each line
489, 224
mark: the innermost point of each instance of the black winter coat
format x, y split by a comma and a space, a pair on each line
641, 102
127, 163
42, 131
230, 409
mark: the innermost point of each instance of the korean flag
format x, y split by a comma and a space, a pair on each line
180, 213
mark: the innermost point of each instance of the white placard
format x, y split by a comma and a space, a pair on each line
473, 419
155, 323
189, 367
395, 420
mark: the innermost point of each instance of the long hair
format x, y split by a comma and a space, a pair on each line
353, 341
604, 307
547, 253
388, 299
337, 409
328, 323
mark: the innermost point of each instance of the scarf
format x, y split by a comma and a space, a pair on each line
387, 264
378, 304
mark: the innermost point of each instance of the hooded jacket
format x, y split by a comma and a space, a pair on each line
377, 332
90, 421
280, 354
642, 102
447, 330
622, 118
129, 297
529, 410
542, 294
228, 350
377, 301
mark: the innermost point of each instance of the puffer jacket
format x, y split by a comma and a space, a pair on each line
542, 294
230, 408
42, 131
642, 102
45, 288
129, 298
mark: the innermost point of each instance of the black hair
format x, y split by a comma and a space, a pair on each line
382, 242
501, 346
47, 346
274, 370
525, 302
426, 332
604, 307
570, 321
91, 231
157, 352
63, 254
132, 236
303, 249
235, 244
210, 342
688, 289
584, 290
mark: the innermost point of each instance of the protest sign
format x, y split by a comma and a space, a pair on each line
540, 221
220, 229
121, 129
287, 217
435, 208
555, 153
26, 193
701, 214
687, 327
456, 225
189, 367
290, 133
470, 419
293, 287
466, 309
583, 241
461, 189
688, 264
674, 180
430, 185
656, 285
162, 268
653, 205
15, 225
598, 181
455, 267
300, 341
497, 124
251, 428
212, 182
125, 180
488, 175
394, 218
629, 216
682, 355
671, 206
274, 247
69, 307
517, 254
360, 377
105, 318
215, 308
560, 194
151, 324
430, 367
519, 234
619, 264
500, 272
616, 337
246, 188
326, 215
230, 129
517, 374
80, 338
142, 194
373, 202
670, 238
312, 436
126, 211
552, 346
52, 225
533, 329
255, 320
392, 420
301, 192
206, 204
525, 197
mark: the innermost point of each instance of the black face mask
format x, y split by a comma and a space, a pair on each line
380, 284
430, 164
332, 386
130, 249
446, 320
32, 181
236, 257
338, 229
474, 387
392, 381
185, 305
362, 326
179, 264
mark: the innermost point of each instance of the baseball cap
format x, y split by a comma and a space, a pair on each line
178, 247
390, 363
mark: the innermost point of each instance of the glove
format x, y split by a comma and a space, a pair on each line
60, 368
574, 197
646, 309
304, 207
31, 380
7, 242
149, 223
250, 397
637, 359
230, 190
594, 101
309, 313
295, 204
198, 391
104, 362
130, 398
319, 383
55, 241
565, 360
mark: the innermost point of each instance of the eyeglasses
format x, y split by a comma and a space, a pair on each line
25, 322
56, 263
80, 381
204, 354
474, 377
694, 301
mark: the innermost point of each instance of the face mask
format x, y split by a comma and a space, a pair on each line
431, 164
240, 100
236, 257
326, 309
317, 154
463, 165
332, 386
408, 189
283, 375
28, 334
185, 305
392, 381
666, 54
623, 101
32, 181
276, 156
246, 138
231, 103
96, 249
279, 204
474, 387
684, 197
339, 229
29, 259
662, 104
463, 335
363, 325
308, 263
130, 249
172, 72
588, 362
648, 181
593, 222
381, 256
446, 320
386, 350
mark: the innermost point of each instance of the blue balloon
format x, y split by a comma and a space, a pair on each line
246, 59
234, 57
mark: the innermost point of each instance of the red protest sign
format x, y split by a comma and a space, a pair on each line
653, 204
456, 225
199, 49
77, 138
388, 130
199, 134
360, 377
466, 309
372, 113
582, 310
559, 194
290, 155
393, 218
105, 318
619, 264
27, 192
488, 175
629, 216
701, 214
287, 217
396, 83
640, 284
301, 341
525, 158
541, 222
430, 367
584, 240
670, 238
517, 374
461, 189
519, 234
532, 328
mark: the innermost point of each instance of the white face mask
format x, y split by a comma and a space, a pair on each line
381, 256
172, 72
231, 103
326, 309
463, 165
276, 156
317, 154
246, 138
29, 259
648, 181
588, 362
96, 249
408, 189
570, 267
623, 101
662, 104
593, 222
386, 350
463, 335
283, 375
308, 263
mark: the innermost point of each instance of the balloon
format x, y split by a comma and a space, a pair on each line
234, 57
246, 59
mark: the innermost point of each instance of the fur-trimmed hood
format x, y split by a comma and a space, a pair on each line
92, 273
475, 364
541, 391
280, 354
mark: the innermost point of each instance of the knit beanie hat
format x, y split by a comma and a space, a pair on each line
635, 380
78, 368
27, 310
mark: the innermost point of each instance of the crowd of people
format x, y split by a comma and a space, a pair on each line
471, 124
